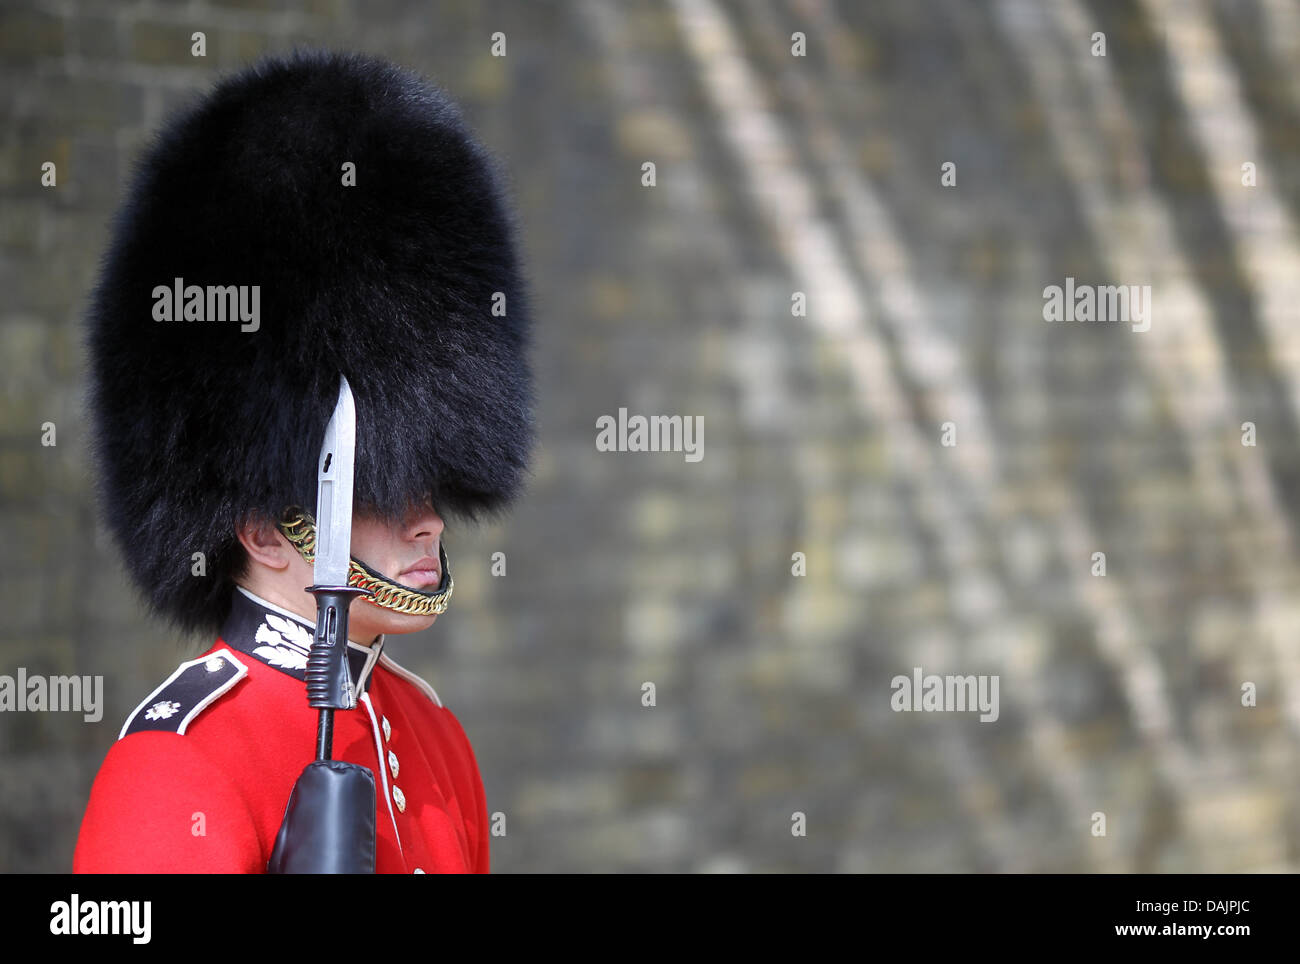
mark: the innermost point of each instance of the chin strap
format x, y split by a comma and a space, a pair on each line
300, 529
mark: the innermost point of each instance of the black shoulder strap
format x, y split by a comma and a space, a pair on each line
185, 694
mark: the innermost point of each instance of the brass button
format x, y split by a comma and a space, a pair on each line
417, 870
213, 663
399, 798
388, 730
392, 763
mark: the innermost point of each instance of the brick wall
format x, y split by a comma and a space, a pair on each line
1120, 694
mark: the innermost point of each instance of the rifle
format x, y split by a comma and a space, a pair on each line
329, 822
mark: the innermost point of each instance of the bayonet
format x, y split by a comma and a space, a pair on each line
329, 682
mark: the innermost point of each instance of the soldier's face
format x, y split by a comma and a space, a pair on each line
407, 554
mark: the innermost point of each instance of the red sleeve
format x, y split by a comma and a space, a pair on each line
480, 834
481, 858
158, 805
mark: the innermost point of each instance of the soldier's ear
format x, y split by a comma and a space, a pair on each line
264, 543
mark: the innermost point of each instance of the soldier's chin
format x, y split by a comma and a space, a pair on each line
377, 619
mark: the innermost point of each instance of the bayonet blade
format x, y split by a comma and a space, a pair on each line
334, 492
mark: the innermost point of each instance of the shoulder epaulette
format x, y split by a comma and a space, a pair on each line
185, 694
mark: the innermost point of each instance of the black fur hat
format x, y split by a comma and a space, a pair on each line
376, 231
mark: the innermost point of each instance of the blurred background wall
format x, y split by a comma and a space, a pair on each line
1120, 694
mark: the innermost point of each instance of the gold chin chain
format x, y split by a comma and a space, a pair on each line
300, 529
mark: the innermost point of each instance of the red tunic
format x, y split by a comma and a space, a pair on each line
199, 781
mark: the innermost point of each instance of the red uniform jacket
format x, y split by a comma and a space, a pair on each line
199, 779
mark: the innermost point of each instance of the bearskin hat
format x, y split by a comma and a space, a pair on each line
342, 205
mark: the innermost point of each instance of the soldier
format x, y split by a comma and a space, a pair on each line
316, 215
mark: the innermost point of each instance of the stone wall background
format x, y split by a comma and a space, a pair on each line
1119, 694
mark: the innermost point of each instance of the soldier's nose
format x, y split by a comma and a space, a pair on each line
426, 523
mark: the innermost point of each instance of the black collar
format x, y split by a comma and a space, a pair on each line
282, 639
